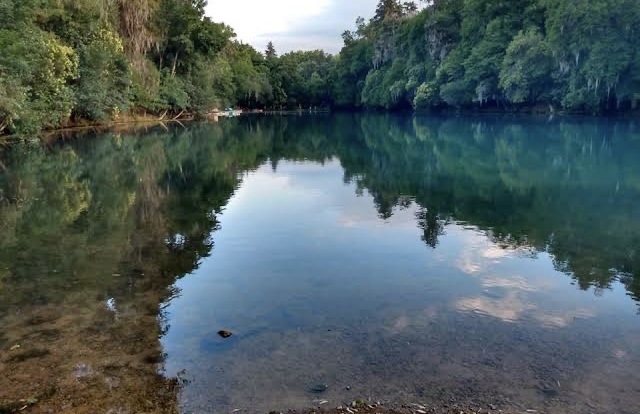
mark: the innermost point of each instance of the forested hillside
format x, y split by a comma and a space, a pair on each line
68, 62
575, 55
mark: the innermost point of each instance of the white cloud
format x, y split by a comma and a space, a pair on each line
251, 19
291, 24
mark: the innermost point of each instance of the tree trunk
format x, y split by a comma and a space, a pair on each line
175, 63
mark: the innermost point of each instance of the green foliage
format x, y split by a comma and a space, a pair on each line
65, 61
595, 47
223, 82
351, 68
456, 93
251, 81
427, 96
526, 68
35, 71
580, 55
386, 87
200, 85
145, 86
306, 78
103, 87
173, 92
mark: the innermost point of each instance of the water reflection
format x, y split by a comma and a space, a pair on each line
94, 234
98, 234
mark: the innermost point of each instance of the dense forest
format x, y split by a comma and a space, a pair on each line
575, 55
66, 62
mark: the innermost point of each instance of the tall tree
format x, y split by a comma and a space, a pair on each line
270, 53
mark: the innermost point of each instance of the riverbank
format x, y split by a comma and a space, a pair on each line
134, 122
126, 123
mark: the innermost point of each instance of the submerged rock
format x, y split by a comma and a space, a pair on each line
358, 404
318, 388
82, 370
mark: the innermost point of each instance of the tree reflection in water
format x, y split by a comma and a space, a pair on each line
94, 232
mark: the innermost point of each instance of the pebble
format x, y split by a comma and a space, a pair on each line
225, 334
82, 370
112, 382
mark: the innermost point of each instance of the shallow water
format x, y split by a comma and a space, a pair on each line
478, 261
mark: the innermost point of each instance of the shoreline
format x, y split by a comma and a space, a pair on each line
124, 123
129, 122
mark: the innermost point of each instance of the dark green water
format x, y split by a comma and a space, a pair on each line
474, 261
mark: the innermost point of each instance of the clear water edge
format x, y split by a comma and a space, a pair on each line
408, 259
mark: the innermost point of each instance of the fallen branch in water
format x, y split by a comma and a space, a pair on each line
178, 116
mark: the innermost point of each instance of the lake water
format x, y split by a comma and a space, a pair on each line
478, 261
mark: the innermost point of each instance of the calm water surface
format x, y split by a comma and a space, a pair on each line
473, 261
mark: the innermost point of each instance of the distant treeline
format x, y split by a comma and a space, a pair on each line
65, 62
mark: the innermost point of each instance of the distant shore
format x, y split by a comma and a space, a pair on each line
136, 120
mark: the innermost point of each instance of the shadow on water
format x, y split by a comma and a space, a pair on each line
97, 232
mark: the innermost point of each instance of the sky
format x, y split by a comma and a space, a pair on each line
291, 24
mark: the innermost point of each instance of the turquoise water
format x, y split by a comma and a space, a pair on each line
483, 261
